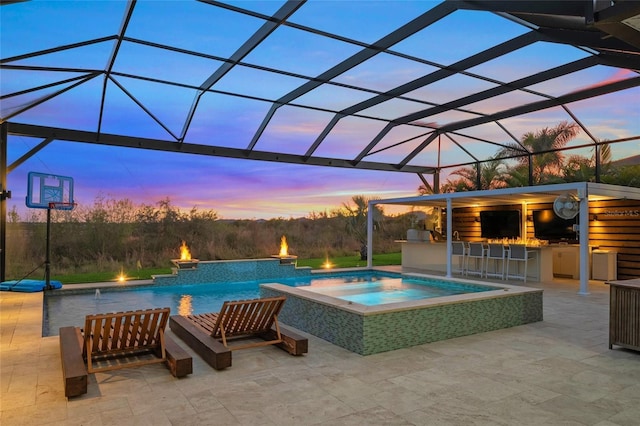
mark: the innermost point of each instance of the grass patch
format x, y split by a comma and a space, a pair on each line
146, 274
353, 261
99, 277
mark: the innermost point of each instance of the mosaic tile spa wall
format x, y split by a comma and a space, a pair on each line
380, 332
233, 271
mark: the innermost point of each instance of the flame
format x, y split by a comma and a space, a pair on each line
284, 247
185, 254
121, 277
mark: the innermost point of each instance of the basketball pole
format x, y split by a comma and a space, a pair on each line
47, 262
4, 195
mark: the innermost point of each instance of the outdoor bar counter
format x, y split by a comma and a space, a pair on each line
554, 259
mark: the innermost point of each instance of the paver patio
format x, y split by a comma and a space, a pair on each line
555, 372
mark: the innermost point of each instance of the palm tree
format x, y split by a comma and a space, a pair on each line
578, 169
467, 178
356, 220
492, 174
547, 161
424, 190
582, 169
456, 185
517, 176
606, 158
491, 177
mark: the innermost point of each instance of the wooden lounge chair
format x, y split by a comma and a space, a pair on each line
124, 335
118, 340
214, 335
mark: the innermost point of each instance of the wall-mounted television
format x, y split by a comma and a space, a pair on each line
549, 226
500, 223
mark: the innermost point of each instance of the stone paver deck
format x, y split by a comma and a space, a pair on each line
555, 372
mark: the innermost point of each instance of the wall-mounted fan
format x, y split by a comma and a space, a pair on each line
566, 206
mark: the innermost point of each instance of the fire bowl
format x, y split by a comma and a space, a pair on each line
285, 260
185, 264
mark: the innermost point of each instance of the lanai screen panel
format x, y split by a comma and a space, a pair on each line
404, 86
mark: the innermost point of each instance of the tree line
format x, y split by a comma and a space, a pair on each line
113, 233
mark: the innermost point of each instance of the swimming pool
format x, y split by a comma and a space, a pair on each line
337, 307
69, 307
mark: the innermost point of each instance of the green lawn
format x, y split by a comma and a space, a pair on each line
353, 261
97, 277
145, 274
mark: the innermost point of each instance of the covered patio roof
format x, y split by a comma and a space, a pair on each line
529, 195
584, 191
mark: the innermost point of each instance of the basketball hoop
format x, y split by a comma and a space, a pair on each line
51, 192
62, 206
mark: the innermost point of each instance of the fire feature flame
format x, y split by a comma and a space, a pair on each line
185, 254
284, 247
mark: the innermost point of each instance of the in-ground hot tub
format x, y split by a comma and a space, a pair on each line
370, 329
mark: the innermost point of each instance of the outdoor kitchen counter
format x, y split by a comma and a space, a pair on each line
428, 255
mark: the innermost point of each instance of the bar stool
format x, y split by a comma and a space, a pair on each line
519, 253
459, 249
498, 253
476, 252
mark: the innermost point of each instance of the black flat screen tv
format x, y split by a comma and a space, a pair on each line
549, 226
500, 223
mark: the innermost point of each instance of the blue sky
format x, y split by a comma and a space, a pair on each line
250, 189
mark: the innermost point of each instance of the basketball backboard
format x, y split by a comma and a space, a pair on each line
44, 189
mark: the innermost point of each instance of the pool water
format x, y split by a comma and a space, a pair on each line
65, 308
393, 290
62, 309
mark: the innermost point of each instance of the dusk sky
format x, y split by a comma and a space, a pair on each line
253, 189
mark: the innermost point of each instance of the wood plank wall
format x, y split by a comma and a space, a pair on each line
613, 226
617, 228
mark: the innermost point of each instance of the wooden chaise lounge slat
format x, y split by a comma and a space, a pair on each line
243, 318
113, 337
124, 334
214, 335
